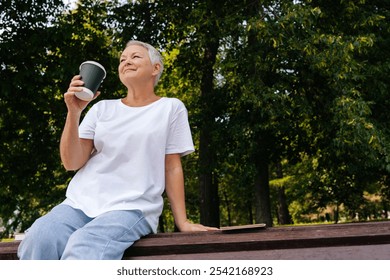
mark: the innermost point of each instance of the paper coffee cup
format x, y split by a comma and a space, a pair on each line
92, 74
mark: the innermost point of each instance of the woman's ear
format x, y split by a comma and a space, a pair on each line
156, 69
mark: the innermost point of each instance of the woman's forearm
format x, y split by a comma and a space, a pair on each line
176, 195
175, 189
74, 151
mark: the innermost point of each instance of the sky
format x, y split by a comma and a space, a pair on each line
69, 1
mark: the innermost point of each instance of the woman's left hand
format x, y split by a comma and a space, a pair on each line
188, 226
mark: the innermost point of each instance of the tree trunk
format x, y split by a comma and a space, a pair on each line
262, 194
250, 213
208, 183
260, 157
161, 224
229, 215
284, 217
209, 200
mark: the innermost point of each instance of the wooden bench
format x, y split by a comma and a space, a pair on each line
370, 240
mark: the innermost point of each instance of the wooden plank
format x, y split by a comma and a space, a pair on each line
8, 250
366, 252
292, 237
320, 241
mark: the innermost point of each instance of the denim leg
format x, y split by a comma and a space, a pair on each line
47, 237
107, 236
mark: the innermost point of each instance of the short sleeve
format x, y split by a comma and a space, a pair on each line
179, 139
88, 124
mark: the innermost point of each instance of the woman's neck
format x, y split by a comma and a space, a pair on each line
139, 98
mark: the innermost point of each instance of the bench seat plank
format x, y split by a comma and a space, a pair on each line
370, 240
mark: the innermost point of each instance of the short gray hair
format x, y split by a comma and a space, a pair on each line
154, 56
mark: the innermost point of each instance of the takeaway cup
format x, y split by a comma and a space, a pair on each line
92, 74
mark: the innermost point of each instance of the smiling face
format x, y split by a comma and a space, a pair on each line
135, 66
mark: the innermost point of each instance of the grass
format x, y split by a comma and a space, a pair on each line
7, 239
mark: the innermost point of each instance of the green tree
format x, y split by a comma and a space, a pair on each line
347, 142
34, 75
28, 169
351, 151
300, 79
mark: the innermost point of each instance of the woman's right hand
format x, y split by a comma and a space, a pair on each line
73, 103
74, 150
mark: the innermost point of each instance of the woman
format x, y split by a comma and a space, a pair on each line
127, 152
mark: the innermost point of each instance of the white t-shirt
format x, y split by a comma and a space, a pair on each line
127, 170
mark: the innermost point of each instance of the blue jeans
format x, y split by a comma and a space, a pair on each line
67, 233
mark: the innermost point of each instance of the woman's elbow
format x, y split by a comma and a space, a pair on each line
69, 167
72, 166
